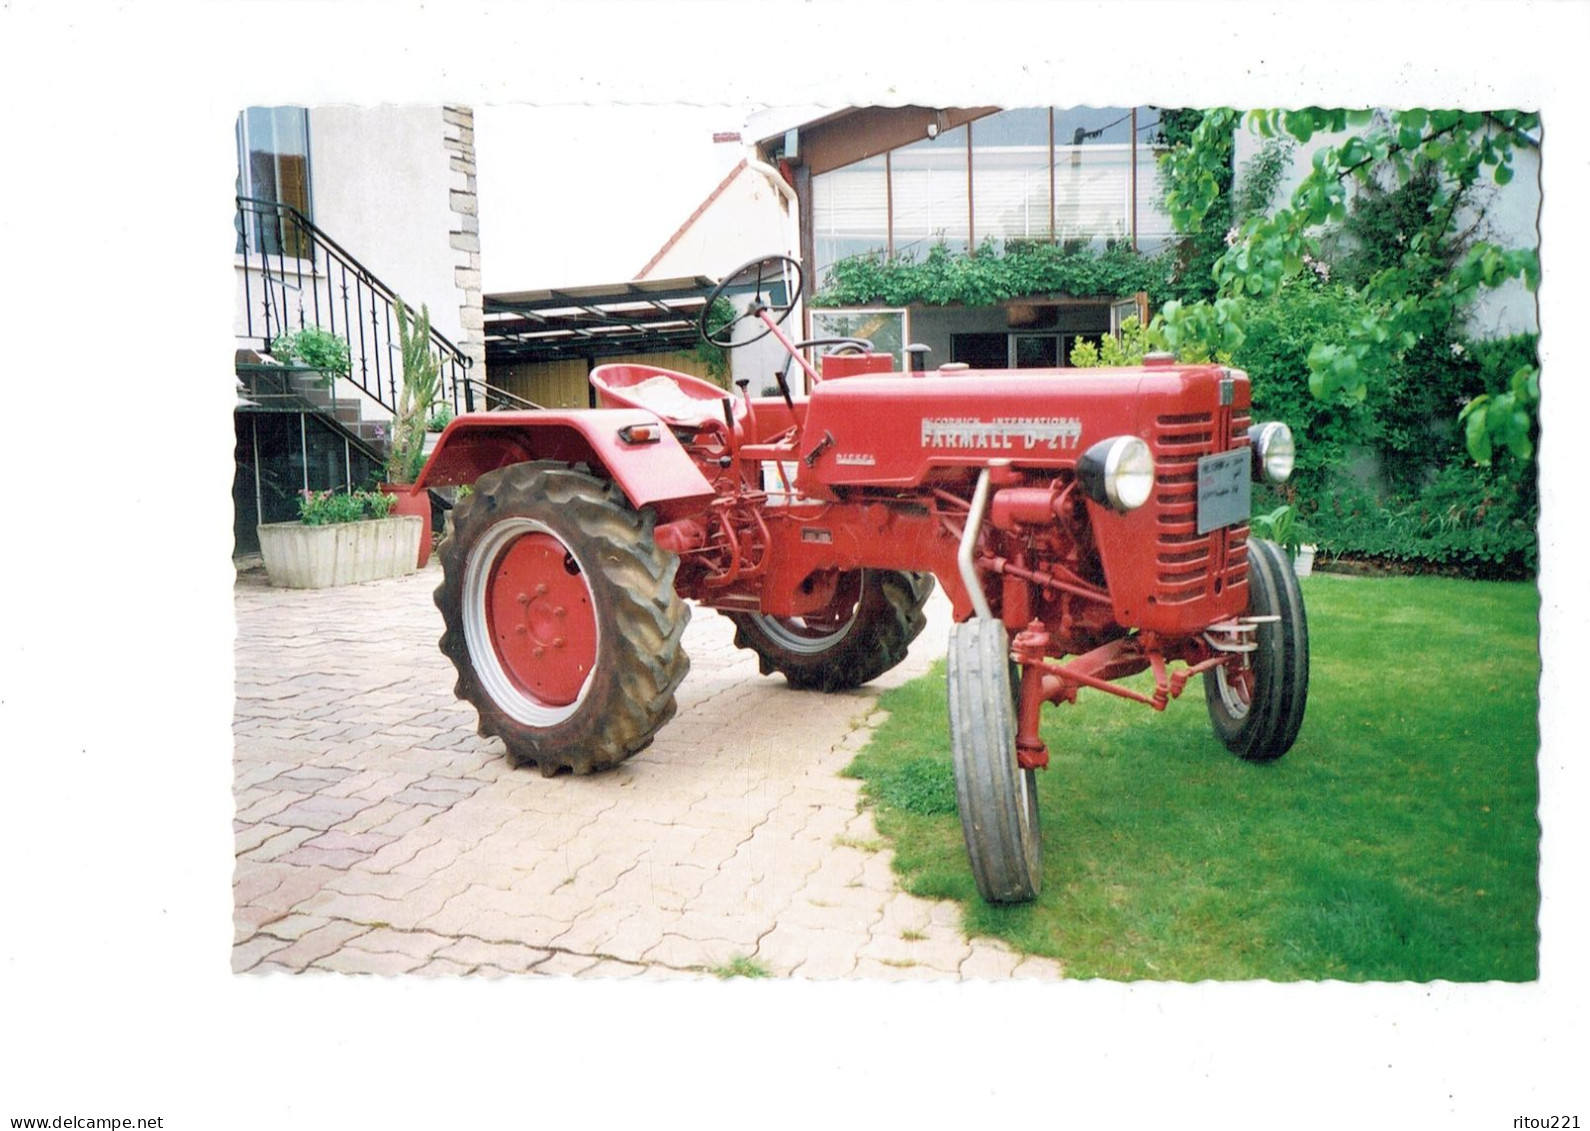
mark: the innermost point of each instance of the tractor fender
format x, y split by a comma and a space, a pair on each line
654, 471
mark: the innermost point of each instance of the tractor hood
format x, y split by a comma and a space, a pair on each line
893, 430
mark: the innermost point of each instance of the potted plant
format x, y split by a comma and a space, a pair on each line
435, 423
422, 382
340, 539
313, 348
1285, 529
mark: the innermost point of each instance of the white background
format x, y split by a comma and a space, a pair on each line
115, 642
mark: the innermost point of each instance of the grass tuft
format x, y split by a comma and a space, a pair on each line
740, 966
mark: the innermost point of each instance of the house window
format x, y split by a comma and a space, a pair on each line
850, 213
1010, 176
885, 329
981, 351
1081, 176
1034, 351
929, 188
273, 167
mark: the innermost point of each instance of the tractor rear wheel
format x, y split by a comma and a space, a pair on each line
561, 617
998, 799
1256, 709
874, 617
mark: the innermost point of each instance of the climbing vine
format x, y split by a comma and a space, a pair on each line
984, 276
1410, 295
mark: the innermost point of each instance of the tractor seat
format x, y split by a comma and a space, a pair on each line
674, 398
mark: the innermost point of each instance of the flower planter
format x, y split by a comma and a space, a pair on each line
406, 501
317, 557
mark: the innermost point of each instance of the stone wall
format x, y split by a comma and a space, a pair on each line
464, 237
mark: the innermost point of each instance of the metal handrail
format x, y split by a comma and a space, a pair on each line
313, 288
506, 401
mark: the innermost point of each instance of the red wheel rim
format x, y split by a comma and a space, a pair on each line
541, 619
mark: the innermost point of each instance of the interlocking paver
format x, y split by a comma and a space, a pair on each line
443, 967
415, 944
292, 927
351, 960
512, 957
321, 813
280, 844
821, 954
608, 968
317, 944
378, 833
247, 921
988, 962
267, 806
246, 955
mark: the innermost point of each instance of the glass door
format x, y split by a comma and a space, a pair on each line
1034, 351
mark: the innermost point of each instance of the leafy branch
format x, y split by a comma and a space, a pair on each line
983, 276
1455, 147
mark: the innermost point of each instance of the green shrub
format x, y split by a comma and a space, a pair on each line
1278, 334
1127, 349
984, 276
327, 508
1390, 477
315, 348
1477, 522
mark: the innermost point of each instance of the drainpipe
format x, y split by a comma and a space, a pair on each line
774, 178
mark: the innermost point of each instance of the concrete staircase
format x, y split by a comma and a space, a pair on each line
267, 385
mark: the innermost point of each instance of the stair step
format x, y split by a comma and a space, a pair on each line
372, 432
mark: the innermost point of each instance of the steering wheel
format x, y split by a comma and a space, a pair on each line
842, 345
768, 270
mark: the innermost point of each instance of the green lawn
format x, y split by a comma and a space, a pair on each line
1397, 841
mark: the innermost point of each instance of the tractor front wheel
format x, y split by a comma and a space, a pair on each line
1256, 705
998, 799
866, 630
561, 617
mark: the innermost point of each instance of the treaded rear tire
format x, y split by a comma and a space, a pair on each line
578, 529
998, 800
888, 617
1264, 727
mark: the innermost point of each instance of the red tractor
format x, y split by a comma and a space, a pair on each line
1086, 525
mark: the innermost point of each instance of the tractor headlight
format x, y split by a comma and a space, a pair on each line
1118, 472
1274, 452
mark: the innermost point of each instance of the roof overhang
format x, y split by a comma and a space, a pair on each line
843, 137
606, 320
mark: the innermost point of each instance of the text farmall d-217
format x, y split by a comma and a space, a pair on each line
1086, 526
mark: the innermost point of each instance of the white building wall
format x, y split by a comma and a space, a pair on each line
745, 221
1512, 219
380, 180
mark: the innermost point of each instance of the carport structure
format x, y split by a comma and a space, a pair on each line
540, 344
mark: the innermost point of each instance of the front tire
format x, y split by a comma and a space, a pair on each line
1257, 709
997, 798
865, 632
561, 617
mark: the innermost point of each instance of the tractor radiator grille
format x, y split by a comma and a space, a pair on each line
1192, 566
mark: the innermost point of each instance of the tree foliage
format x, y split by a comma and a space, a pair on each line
1412, 293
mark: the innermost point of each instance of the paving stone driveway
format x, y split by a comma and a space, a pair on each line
377, 833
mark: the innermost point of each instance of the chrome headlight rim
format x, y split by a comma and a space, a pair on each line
1118, 472
1274, 452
